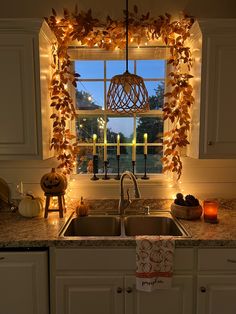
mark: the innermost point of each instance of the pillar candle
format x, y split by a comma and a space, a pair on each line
21, 188
94, 143
145, 143
133, 151
118, 145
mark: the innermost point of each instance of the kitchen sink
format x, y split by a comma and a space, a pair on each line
160, 223
151, 225
94, 226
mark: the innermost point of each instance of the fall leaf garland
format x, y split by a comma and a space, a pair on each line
90, 32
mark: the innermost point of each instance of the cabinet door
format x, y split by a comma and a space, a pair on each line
18, 126
216, 294
178, 299
77, 294
219, 96
24, 283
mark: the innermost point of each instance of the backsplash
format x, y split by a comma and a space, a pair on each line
202, 178
111, 205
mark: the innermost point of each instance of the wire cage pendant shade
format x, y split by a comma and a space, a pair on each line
127, 92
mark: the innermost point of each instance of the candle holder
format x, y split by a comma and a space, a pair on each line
210, 211
105, 170
133, 167
95, 168
145, 177
118, 167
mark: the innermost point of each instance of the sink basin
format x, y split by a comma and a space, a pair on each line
160, 223
152, 225
94, 226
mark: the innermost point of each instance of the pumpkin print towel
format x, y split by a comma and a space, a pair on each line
154, 262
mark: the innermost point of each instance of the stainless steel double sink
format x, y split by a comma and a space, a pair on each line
160, 223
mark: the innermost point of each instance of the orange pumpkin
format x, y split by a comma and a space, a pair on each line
82, 209
53, 182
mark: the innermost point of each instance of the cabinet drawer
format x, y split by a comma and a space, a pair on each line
217, 259
112, 259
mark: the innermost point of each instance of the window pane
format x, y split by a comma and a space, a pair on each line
151, 68
90, 69
154, 164
125, 160
115, 67
87, 126
156, 92
90, 95
85, 160
123, 126
154, 129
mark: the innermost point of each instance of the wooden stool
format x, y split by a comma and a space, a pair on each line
61, 204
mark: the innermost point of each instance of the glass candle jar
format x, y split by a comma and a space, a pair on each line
210, 208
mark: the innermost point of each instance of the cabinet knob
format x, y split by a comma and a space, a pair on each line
119, 290
2, 258
129, 290
203, 289
209, 143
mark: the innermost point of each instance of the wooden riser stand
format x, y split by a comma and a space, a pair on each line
61, 204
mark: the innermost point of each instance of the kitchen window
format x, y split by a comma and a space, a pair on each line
96, 68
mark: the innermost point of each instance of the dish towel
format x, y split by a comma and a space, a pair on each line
154, 262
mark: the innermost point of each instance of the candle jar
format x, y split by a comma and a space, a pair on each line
210, 211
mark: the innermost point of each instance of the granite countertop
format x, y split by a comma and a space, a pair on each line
17, 231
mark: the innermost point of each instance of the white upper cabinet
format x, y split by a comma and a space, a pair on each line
25, 58
213, 128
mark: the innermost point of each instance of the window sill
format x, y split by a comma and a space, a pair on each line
157, 179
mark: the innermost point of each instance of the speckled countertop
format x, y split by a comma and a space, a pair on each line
17, 231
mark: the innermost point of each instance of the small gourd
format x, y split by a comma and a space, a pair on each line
82, 209
30, 206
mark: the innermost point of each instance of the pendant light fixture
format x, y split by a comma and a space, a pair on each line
127, 92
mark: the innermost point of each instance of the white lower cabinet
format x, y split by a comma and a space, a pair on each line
100, 294
217, 294
178, 299
24, 283
102, 281
117, 295
216, 281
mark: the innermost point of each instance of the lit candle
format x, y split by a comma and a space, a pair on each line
105, 150
118, 145
21, 190
94, 143
210, 211
133, 151
145, 143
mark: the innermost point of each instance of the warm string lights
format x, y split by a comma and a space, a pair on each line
89, 31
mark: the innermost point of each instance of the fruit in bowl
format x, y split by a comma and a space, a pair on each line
187, 207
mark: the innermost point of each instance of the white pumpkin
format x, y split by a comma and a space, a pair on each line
30, 206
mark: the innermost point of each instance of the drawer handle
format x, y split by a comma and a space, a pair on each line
203, 289
119, 290
231, 260
2, 258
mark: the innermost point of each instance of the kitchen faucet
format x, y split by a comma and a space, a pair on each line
123, 204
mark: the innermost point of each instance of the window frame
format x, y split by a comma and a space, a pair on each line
154, 177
